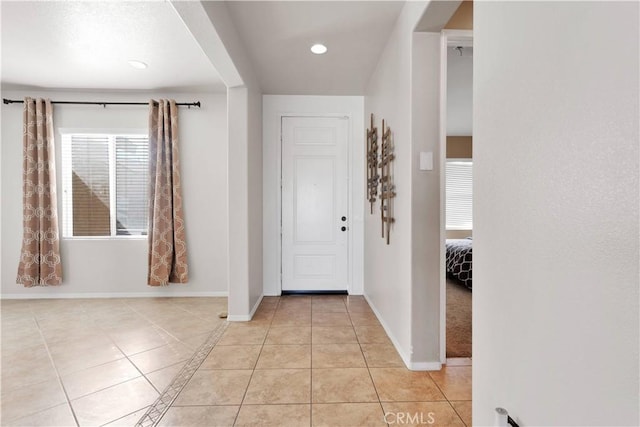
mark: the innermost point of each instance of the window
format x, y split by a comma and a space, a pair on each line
459, 191
105, 184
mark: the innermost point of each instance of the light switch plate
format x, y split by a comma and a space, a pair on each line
426, 161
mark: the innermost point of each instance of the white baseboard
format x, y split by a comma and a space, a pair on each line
406, 358
88, 295
426, 366
246, 317
238, 318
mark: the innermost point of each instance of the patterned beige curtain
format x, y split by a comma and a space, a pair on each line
167, 244
40, 256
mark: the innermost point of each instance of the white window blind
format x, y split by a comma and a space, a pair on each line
132, 171
105, 179
459, 192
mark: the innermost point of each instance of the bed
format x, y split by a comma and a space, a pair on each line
459, 253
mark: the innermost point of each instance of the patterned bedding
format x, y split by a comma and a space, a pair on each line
459, 253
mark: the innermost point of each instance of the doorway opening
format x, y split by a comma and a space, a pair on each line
456, 161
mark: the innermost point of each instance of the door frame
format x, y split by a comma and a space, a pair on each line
275, 107
350, 248
446, 37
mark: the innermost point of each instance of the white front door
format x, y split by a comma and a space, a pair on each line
315, 220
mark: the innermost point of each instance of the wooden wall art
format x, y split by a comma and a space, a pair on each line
372, 163
387, 189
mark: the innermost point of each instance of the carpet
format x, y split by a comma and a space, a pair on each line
458, 319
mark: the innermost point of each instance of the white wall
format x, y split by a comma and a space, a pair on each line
119, 267
459, 92
276, 106
395, 282
555, 306
224, 47
425, 205
245, 203
238, 231
255, 198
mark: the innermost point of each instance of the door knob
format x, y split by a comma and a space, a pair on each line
344, 218
343, 228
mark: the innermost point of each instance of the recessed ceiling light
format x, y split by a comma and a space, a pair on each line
138, 64
319, 49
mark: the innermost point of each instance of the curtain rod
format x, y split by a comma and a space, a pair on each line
104, 104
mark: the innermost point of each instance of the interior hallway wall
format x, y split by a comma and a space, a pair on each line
106, 267
402, 279
255, 154
556, 157
425, 201
244, 160
245, 202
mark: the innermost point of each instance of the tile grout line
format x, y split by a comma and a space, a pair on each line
366, 362
58, 376
86, 312
311, 368
156, 325
429, 375
128, 358
446, 397
437, 386
264, 340
55, 366
125, 356
123, 417
156, 411
458, 414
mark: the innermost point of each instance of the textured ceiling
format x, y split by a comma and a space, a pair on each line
86, 45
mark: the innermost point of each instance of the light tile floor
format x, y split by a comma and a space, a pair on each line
303, 360
93, 362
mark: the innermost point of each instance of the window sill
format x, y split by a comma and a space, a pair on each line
101, 238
